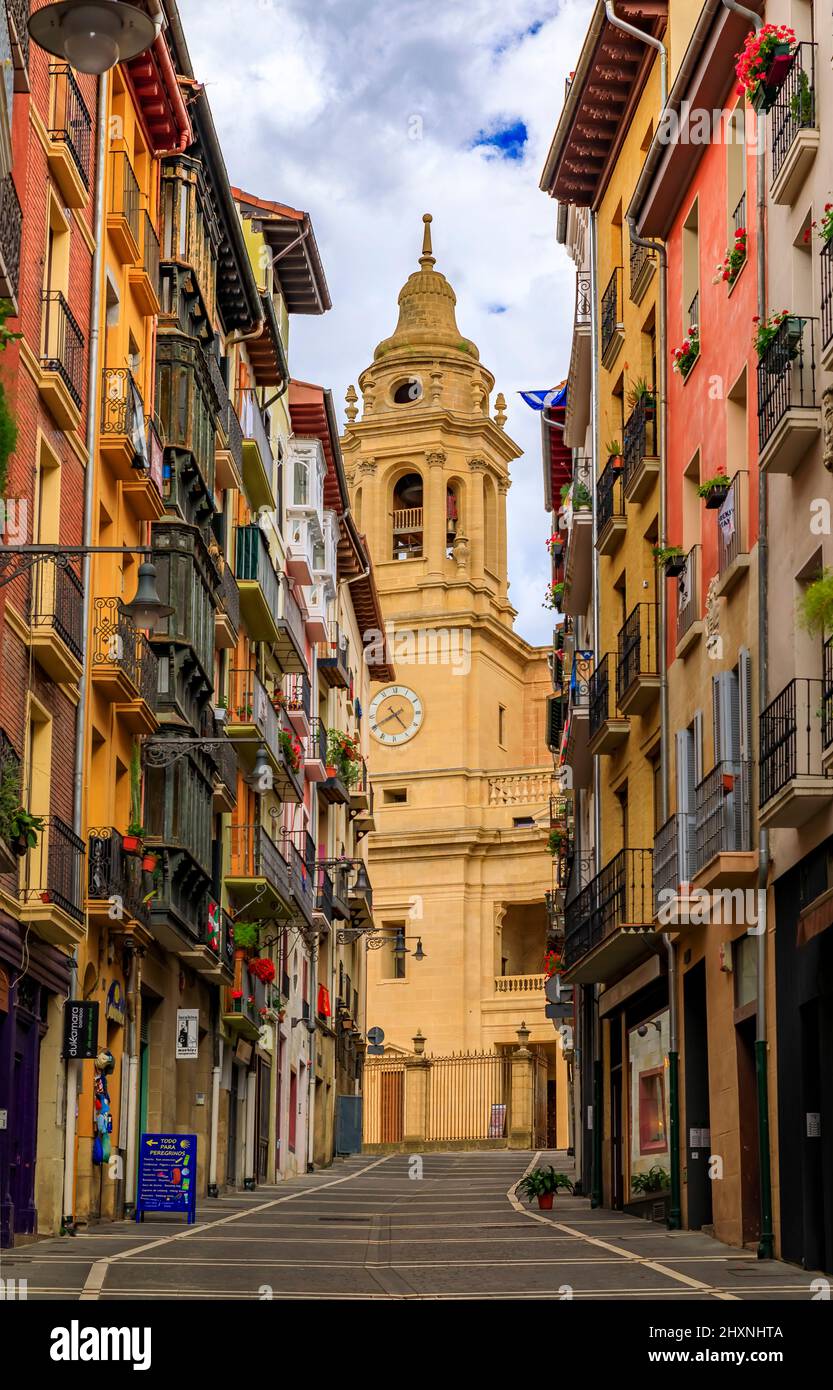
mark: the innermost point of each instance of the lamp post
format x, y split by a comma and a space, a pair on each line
146, 608
93, 35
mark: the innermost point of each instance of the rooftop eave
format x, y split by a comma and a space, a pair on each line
612, 70
297, 262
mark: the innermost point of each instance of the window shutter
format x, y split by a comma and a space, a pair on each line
716, 719
685, 802
698, 746
555, 722
745, 698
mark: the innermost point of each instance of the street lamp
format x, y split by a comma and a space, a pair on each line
147, 608
93, 35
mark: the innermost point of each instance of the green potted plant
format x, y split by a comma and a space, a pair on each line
801, 102
556, 839
671, 558
552, 596
245, 936
9, 803
684, 357
762, 65
640, 393
582, 501
655, 1180
132, 840
542, 1184
815, 609
613, 449
24, 829
783, 325
715, 490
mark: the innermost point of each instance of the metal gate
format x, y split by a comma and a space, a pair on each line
539, 1101
384, 1100
468, 1097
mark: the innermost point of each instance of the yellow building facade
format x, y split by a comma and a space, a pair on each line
458, 756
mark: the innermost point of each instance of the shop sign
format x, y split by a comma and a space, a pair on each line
115, 1009
80, 1029
167, 1175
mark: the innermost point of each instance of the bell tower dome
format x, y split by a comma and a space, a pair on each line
427, 464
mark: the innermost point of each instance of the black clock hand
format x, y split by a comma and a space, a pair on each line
394, 714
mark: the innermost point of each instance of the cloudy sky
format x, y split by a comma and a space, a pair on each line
368, 113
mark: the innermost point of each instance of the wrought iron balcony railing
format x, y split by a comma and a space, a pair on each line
317, 741
299, 852
620, 896
601, 691
827, 694
673, 856
114, 876
150, 252
786, 374
71, 121
125, 197
54, 868
795, 729
119, 645
610, 498
640, 258
56, 604
298, 695
722, 812
731, 523
11, 228
611, 315
583, 300
688, 593
637, 648
324, 892
122, 409
795, 105
640, 437
739, 214
826, 260
63, 343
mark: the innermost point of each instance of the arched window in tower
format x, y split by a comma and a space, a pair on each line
490, 559
407, 517
452, 516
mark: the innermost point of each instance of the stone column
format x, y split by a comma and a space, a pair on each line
417, 1069
474, 523
433, 518
522, 1100
503, 487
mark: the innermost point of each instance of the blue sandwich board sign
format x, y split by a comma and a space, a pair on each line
167, 1174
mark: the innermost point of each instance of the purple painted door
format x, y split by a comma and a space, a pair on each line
20, 1032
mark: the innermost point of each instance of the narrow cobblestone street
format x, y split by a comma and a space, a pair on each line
365, 1230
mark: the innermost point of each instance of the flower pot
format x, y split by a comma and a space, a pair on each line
617, 462
131, 844
545, 1200
332, 771
19, 845
728, 783
149, 862
716, 498
782, 60
763, 98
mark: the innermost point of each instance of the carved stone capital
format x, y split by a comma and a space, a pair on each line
436, 458
477, 464
367, 467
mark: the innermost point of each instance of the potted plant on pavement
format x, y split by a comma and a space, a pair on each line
655, 1180
671, 558
542, 1184
715, 490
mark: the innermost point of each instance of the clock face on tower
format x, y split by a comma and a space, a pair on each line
395, 714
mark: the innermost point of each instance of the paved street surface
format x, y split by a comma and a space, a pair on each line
365, 1229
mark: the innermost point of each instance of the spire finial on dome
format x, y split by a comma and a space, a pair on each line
427, 258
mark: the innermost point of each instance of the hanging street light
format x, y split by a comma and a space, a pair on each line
147, 608
93, 35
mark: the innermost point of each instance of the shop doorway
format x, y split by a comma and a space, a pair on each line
817, 1114
20, 1035
264, 1085
698, 1130
750, 1181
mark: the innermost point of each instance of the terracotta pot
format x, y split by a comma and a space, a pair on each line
332, 771
131, 844
149, 862
728, 782
545, 1201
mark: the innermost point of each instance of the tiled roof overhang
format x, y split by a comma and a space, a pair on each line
609, 79
706, 81
289, 234
157, 98
266, 353
313, 417
558, 459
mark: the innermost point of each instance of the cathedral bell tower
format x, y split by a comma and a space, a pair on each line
427, 463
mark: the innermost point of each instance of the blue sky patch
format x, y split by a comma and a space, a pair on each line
504, 142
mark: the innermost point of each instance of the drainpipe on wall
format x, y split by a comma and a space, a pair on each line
593, 1045
675, 1212
73, 1068
766, 1244
130, 1138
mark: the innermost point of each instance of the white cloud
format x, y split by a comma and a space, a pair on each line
315, 103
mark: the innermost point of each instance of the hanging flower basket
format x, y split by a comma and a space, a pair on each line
763, 64
672, 559
149, 862
715, 491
